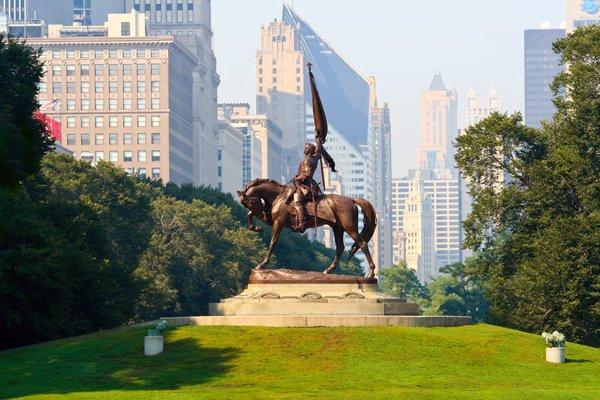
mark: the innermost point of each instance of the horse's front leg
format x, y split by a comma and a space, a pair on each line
277, 227
251, 225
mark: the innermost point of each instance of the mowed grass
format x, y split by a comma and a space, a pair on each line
470, 362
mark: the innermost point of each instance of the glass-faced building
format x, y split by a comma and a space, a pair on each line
542, 64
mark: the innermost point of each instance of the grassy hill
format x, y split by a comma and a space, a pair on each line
471, 362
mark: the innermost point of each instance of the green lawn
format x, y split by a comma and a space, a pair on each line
470, 362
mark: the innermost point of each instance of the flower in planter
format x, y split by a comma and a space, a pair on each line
554, 339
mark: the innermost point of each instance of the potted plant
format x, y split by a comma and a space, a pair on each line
555, 351
154, 342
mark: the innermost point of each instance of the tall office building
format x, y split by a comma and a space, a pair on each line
50, 11
82, 12
542, 64
230, 154
444, 192
418, 223
380, 148
438, 126
476, 111
190, 22
280, 88
121, 96
582, 13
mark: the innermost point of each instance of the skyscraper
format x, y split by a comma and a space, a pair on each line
190, 22
542, 64
582, 13
82, 12
51, 11
280, 88
476, 111
438, 126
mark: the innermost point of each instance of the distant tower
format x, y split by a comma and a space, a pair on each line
475, 111
419, 231
280, 88
438, 126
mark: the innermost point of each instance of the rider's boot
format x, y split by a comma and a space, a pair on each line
300, 227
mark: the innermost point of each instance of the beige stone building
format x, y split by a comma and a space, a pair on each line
265, 131
438, 126
582, 13
189, 21
122, 96
280, 88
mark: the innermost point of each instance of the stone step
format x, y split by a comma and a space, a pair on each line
315, 307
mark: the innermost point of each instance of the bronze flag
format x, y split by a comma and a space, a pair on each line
319, 118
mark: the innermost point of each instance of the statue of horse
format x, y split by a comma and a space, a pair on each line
269, 201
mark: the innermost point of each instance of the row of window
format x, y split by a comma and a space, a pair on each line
84, 87
112, 53
113, 121
113, 138
113, 156
113, 69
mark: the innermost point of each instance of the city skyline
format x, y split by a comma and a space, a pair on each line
399, 82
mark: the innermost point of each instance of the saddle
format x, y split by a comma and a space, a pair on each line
310, 190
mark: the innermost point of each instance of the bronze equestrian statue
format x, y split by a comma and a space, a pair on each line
269, 201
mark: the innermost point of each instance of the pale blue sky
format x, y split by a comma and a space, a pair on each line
402, 43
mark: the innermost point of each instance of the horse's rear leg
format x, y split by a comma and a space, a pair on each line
364, 246
277, 227
339, 248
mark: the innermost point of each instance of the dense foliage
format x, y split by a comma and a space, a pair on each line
85, 247
455, 293
539, 235
23, 138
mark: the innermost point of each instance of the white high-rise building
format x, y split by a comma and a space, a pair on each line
476, 111
418, 221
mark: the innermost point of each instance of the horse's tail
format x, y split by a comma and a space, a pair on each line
369, 223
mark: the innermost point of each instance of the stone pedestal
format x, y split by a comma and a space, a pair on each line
153, 345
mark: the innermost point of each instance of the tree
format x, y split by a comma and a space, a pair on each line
23, 139
401, 281
540, 233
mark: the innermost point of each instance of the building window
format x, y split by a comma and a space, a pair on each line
56, 54
70, 87
155, 104
70, 70
219, 171
155, 138
112, 138
84, 53
141, 86
155, 86
219, 155
127, 121
42, 87
141, 138
127, 86
56, 69
141, 121
127, 104
155, 173
70, 139
99, 104
84, 70
85, 104
142, 173
141, 104
55, 87
126, 53
155, 69
127, 156
98, 69
113, 156
125, 29
112, 104
70, 53
99, 87
126, 69
112, 69
155, 53
156, 120
99, 122
99, 138
112, 121
112, 87
87, 156
70, 104
127, 138
85, 138
112, 54
155, 155
70, 122
141, 69
85, 121
141, 154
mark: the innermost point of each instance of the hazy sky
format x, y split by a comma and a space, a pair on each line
402, 43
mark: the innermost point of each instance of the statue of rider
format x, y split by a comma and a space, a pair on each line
304, 182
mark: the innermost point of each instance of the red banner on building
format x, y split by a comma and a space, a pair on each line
52, 125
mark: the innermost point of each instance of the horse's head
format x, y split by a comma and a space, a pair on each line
254, 205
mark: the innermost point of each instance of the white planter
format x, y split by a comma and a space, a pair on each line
555, 355
153, 345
